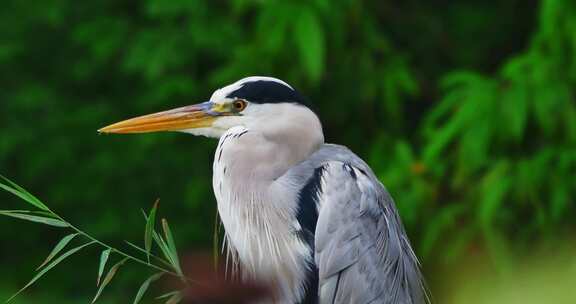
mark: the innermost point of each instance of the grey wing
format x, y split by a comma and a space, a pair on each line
361, 249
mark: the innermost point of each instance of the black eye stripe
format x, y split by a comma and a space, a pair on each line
266, 91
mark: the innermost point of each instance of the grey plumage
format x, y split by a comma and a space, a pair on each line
362, 251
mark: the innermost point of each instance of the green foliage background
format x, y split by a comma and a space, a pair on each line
465, 109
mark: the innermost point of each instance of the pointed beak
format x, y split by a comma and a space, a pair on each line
189, 117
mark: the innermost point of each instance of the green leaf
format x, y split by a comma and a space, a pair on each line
35, 218
103, 259
168, 295
175, 299
50, 266
495, 185
63, 242
168, 254
36, 212
168, 236
309, 37
163, 247
22, 193
145, 286
149, 230
171, 246
108, 278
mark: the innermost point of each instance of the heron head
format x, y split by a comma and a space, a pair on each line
252, 102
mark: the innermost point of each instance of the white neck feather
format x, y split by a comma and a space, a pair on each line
257, 212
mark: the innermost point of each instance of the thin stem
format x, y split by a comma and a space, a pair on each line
159, 259
119, 251
46, 210
137, 260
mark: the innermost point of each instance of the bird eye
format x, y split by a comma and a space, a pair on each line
239, 105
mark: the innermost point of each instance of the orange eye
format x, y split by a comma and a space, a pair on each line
239, 105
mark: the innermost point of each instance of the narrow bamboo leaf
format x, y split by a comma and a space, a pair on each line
50, 266
37, 219
168, 236
168, 295
145, 286
63, 242
28, 211
171, 245
164, 247
103, 259
175, 299
150, 222
42, 213
18, 193
108, 278
22, 193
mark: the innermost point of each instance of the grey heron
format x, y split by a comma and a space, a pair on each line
309, 217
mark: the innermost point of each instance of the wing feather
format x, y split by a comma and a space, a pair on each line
361, 249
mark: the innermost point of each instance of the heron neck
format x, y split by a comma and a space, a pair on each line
257, 208
289, 135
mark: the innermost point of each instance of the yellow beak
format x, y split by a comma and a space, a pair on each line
190, 117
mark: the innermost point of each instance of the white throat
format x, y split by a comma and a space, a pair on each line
257, 213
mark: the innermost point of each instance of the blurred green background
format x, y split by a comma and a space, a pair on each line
465, 109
